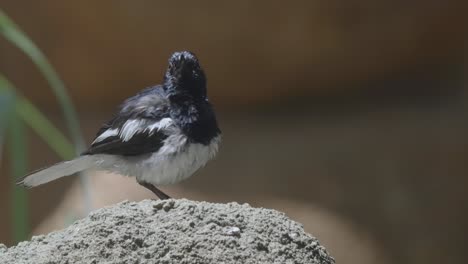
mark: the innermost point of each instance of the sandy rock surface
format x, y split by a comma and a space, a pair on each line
174, 231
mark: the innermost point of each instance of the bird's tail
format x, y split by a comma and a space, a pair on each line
56, 171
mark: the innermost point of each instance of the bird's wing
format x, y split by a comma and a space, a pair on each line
140, 127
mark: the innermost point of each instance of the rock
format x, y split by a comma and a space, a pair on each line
174, 231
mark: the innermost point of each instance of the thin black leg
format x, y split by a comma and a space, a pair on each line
151, 187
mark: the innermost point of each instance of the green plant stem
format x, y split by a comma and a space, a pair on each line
15, 35
18, 159
7, 99
27, 112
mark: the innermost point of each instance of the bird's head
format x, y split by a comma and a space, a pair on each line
184, 76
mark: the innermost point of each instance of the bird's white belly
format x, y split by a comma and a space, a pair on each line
175, 161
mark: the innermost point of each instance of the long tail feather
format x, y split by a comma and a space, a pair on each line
56, 171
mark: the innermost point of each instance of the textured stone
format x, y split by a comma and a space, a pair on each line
174, 231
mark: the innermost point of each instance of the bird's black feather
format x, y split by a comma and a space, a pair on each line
150, 105
139, 144
182, 97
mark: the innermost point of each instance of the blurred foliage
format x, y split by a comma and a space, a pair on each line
22, 108
17, 111
18, 159
12, 33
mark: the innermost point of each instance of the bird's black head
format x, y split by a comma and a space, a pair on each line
185, 77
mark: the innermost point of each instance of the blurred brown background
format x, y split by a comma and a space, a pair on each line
348, 115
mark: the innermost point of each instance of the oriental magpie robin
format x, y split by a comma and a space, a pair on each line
162, 135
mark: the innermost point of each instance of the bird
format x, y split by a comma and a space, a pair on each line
160, 136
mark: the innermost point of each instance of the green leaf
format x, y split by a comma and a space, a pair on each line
7, 98
6, 109
9, 121
13, 34
18, 159
29, 114
20, 112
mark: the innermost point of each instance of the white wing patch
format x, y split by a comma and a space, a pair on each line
130, 128
106, 134
134, 126
164, 123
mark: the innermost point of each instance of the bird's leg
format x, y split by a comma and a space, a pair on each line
151, 187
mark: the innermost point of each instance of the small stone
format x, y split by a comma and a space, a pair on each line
233, 231
38, 238
158, 206
168, 205
293, 235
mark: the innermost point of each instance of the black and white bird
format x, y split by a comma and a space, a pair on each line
161, 136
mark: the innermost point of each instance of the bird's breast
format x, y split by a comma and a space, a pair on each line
177, 160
